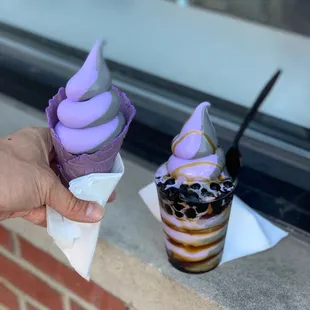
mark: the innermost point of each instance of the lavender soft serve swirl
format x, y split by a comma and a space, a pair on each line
197, 161
90, 115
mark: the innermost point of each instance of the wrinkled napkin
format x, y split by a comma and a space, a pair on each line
78, 240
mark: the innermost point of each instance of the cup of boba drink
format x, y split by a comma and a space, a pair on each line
194, 226
195, 194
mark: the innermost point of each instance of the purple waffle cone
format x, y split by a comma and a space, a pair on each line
73, 166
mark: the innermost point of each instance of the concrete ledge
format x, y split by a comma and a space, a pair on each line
131, 262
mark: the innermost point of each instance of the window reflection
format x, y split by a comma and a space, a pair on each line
290, 15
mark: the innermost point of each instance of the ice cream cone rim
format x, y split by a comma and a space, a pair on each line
70, 157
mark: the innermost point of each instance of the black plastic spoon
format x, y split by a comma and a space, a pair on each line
233, 155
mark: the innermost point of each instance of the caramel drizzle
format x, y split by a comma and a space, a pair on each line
221, 178
192, 264
192, 248
198, 132
176, 172
193, 178
210, 209
206, 231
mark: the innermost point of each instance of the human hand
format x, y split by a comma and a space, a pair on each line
28, 183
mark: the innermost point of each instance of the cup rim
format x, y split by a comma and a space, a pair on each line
235, 182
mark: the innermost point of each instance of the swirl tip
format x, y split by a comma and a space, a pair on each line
93, 77
197, 136
101, 43
205, 104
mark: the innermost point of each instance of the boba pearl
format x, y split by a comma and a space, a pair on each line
195, 186
170, 182
215, 186
190, 213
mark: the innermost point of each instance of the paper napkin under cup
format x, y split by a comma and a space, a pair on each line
78, 240
248, 232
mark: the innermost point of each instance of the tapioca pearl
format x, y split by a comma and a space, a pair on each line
184, 186
202, 207
183, 189
195, 186
218, 206
215, 186
178, 207
178, 214
192, 198
168, 209
161, 194
190, 213
161, 186
228, 185
171, 192
205, 193
170, 182
224, 191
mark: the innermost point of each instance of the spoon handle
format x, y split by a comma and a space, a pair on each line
261, 97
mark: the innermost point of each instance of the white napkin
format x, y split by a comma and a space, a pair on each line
248, 232
78, 240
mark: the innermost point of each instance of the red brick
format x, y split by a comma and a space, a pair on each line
8, 298
75, 306
30, 284
6, 239
89, 291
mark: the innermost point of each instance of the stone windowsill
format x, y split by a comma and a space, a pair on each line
131, 262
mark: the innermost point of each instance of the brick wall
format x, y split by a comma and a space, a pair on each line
31, 279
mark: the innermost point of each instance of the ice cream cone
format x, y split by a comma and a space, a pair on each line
89, 120
90, 177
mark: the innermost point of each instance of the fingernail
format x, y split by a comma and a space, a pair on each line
94, 212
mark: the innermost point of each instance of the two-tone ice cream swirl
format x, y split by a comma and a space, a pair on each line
90, 115
196, 155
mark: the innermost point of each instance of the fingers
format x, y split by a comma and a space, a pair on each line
37, 216
64, 202
112, 197
7, 215
39, 137
46, 140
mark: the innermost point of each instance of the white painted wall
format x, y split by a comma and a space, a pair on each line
210, 52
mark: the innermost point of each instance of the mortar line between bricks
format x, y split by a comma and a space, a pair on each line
82, 302
22, 303
50, 281
22, 295
3, 307
16, 245
66, 302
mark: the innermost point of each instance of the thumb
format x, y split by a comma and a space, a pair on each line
65, 203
